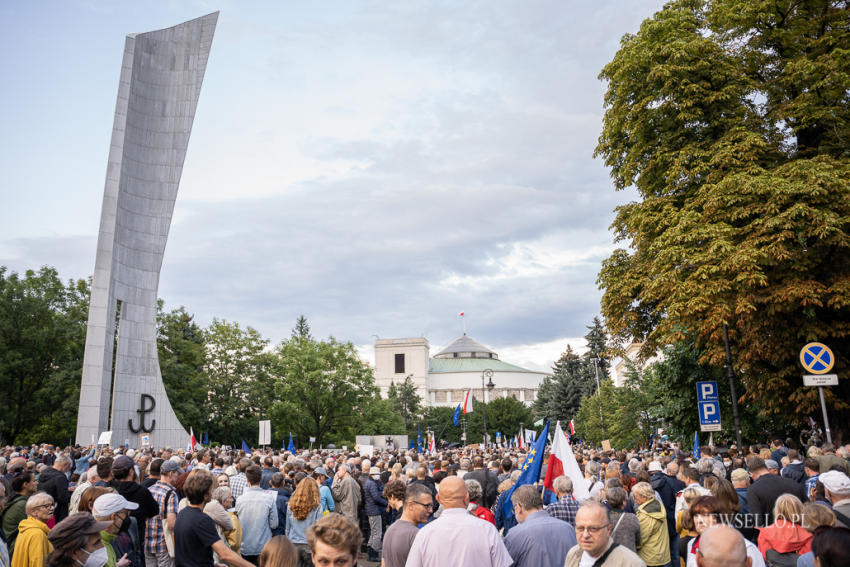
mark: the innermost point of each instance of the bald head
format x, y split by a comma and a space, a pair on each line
453, 493
722, 546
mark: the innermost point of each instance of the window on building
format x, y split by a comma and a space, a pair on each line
399, 363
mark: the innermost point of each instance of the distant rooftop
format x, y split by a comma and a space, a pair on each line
474, 365
465, 347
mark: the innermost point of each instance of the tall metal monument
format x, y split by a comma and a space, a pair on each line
122, 389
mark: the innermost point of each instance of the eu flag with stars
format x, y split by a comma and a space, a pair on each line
418, 439
530, 469
696, 452
456, 416
246, 448
291, 446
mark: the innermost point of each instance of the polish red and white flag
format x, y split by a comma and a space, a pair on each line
467, 402
563, 462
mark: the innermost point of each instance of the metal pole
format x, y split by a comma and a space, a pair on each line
825, 419
596, 366
484, 406
731, 374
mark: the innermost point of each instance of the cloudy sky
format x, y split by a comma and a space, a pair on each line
376, 166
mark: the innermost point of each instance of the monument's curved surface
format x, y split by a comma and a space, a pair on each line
122, 388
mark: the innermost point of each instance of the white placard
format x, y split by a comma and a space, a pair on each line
105, 438
365, 450
312, 439
265, 432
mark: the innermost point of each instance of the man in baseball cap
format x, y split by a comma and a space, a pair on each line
115, 509
837, 485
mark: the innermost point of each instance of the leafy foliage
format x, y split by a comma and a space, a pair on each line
406, 402
731, 121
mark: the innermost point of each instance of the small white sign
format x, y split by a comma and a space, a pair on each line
312, 439
265, 432
711, 427
820, 379
365, 450
146, 440
105, 438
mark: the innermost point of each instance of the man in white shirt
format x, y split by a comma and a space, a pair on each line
457, 537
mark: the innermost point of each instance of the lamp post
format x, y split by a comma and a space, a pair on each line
488, 386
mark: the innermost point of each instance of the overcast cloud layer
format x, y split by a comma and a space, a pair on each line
377, 167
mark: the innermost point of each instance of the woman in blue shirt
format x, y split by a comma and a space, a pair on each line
303, 511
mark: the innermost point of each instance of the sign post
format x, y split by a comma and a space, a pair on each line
708, 404
818, 359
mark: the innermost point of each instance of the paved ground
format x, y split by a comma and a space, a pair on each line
362, 562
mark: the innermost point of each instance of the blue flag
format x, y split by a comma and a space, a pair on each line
246, 448
206, 440
696, 451
418, 439
291, 446
530, 469
456, 416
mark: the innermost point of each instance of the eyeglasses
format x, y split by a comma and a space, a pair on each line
48, 506
429, 506
590, 529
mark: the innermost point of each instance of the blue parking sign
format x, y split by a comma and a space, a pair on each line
708, 405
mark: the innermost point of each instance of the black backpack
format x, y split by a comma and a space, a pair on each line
775, 559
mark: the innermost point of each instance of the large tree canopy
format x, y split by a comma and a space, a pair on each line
731, 120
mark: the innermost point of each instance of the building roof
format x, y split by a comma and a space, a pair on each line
474, 365
468, 348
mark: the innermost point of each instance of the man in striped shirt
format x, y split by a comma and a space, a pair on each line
238, 482
156, 550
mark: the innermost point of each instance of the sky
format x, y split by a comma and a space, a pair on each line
378, 167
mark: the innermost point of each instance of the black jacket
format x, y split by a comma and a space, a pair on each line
489, 486
796, 472
763, 493
55, 483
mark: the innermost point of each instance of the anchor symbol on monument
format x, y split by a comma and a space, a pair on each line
144, 407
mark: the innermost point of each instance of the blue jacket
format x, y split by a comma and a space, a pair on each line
81, 465
282, 502
375, 501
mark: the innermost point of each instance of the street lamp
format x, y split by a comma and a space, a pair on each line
489, 386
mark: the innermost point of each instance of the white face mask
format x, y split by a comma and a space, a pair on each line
97, 558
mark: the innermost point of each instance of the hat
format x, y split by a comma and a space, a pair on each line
170, 466
836, 482
321, 471
771, 464
65, 535
111, 503
122, 462
739, 475
655, 466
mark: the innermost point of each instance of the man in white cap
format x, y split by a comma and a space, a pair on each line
115, 509
837, 485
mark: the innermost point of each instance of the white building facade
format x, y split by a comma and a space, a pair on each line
444, 379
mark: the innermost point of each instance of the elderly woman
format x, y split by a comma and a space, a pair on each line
75, 539
473, 487
591, 475
814, 516
654, 546
233, 536
216, 510
708, 511
32, 545
786, 534
626, 530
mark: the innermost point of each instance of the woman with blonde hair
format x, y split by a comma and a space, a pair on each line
303, 510
816, 518
786, 535
396, 474
279, 552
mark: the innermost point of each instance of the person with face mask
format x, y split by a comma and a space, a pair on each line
115, 509
76, 542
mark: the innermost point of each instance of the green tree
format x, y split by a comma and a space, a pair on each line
439, 419
42, 335
181, 348
240, 385
406, 402
322, 388
381, 418
560, 395
731, 120
622, 415
505, 415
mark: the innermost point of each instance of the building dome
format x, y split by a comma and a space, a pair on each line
465, 347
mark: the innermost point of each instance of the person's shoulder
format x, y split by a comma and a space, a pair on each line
625, 557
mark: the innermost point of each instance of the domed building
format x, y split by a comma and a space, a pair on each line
443, 380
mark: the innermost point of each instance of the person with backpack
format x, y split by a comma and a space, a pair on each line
159, 545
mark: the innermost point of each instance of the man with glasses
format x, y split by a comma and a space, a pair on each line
595, 546
418, 504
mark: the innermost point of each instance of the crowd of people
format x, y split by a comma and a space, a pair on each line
775, 504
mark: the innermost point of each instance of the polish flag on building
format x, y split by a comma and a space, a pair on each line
460, 314
467, 402
192, 441
563, 462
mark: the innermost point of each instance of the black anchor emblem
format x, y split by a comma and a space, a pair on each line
143, 409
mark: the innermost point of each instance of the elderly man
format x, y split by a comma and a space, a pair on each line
91, 478
457, 537
32, 546
566, 507
741, 482
116, 510
346, 492
416, 510
53, 480
722, 546
538, 539
837, 487
595, 546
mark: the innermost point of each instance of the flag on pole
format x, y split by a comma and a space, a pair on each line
467, 402
246, 448
572, 428
206, 440
291, 446
460, 314
530, 470
192, 441
563, 462
521, 439
696, 451
456, 416
432, 445
418, 439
